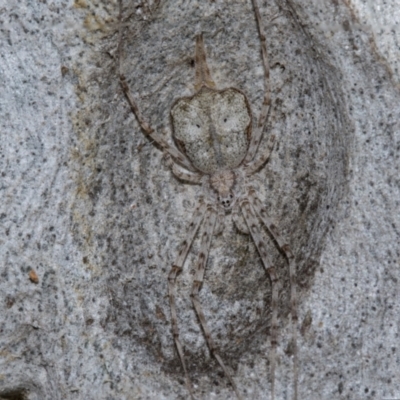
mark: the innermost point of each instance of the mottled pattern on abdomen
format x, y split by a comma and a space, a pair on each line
213, 128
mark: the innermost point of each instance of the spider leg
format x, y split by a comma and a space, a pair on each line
175, 270
257, 134
144, 125
180, 172
254, 165
262, 213
238, 220
220, 225
255, 231
206, 236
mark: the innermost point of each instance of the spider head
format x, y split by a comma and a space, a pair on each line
226, 200
223, 183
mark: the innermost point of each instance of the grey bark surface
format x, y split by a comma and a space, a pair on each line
89, 205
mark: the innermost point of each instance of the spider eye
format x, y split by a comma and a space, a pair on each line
230, 196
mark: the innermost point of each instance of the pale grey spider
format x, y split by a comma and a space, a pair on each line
217, 148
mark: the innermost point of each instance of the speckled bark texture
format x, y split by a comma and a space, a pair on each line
91, 218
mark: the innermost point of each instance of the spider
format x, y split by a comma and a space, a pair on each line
216, 147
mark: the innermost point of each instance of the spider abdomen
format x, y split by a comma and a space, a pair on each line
213, 128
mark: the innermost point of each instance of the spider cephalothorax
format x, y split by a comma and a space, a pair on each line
223, 184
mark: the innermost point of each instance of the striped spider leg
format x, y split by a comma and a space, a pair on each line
215, 147
169, 150
208, 215
255, 216
175, 270
284, 247
254, 229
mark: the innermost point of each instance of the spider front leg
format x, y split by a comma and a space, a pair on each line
238, 220
175, 270
255, 231
206, 237
262, 213
220, 224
